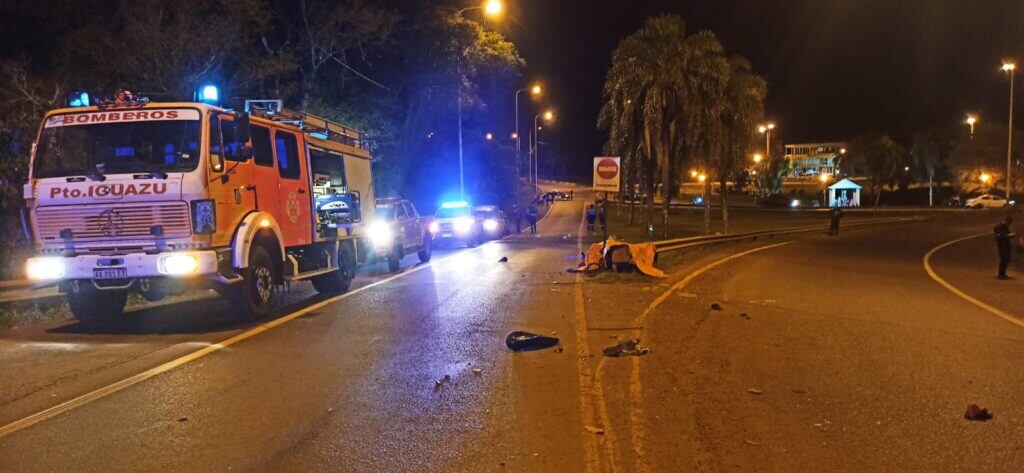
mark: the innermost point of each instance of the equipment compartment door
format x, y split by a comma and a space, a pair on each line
264, 172
293, 189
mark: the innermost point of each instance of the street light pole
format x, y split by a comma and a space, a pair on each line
535, 90
492, 8
1009, 67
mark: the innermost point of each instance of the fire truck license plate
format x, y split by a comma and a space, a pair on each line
110, 273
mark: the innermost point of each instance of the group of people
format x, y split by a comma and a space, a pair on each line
531, 218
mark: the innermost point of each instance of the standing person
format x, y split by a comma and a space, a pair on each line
834, 215
531, 215
518, 216
1003, 238
570, 194
602, 215
591, 216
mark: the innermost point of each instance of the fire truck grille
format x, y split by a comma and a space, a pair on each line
95, 222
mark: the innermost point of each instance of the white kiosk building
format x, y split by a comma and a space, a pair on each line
844, 193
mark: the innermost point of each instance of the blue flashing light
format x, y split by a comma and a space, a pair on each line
209, 94
79, 99
454, 205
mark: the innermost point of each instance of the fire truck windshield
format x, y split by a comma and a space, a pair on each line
123, 147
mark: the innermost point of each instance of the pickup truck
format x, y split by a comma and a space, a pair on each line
398, 230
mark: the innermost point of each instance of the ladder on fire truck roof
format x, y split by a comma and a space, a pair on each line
315, 126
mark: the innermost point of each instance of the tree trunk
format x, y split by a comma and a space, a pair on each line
878, 197
666, 194
706, 201
725, 207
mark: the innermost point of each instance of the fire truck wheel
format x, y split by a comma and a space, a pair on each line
426, 250
338, 282
395, 258
255, 295
96, 309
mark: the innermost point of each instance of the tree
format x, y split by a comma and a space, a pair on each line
644, 87
744, 108
876, 157
929, 157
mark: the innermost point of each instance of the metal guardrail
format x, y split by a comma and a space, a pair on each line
691, 242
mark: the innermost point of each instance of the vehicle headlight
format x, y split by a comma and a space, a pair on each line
434, 227
795, 203
490, 225
177, 264
380, 233
45, 268
463, 224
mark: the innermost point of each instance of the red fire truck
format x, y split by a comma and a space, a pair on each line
135, 196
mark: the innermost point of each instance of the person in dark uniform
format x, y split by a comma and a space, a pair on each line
834, 215
1003, 237
591, 217
531, 215
602, 215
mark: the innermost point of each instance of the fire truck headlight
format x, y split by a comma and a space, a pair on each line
177, 264
434, 227
380, 234
463, 224
490, 224
41, 269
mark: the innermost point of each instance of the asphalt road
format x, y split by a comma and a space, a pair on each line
849, 357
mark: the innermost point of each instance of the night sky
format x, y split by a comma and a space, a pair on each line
835, 68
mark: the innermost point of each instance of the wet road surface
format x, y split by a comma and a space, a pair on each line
829, 354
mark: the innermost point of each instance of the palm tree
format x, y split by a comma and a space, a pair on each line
643, 93
744, 99
706, 74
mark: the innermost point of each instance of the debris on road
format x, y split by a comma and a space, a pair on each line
183, 419
716, 306
744, 315
504, 259
477, 371
755, 391
438, 383
559, 350
620, 257
753, 443
594, 430
977, 413
520, 341
628, 347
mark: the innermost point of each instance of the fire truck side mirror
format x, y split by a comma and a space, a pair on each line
243, 132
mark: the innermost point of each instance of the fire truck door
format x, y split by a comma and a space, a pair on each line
264, 172
230, 180
293, 189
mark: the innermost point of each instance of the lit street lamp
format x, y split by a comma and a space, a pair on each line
548, 116
489, 136
1009, 67
970, 121
535, 91
491, 9
757, 157
766, 130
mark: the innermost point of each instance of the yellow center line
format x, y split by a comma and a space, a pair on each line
170, 365
636, 414
590, 392
963, 295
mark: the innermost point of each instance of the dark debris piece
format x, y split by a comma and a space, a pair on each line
628, 347
521, 341
977, 413
504, 259
716, 306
